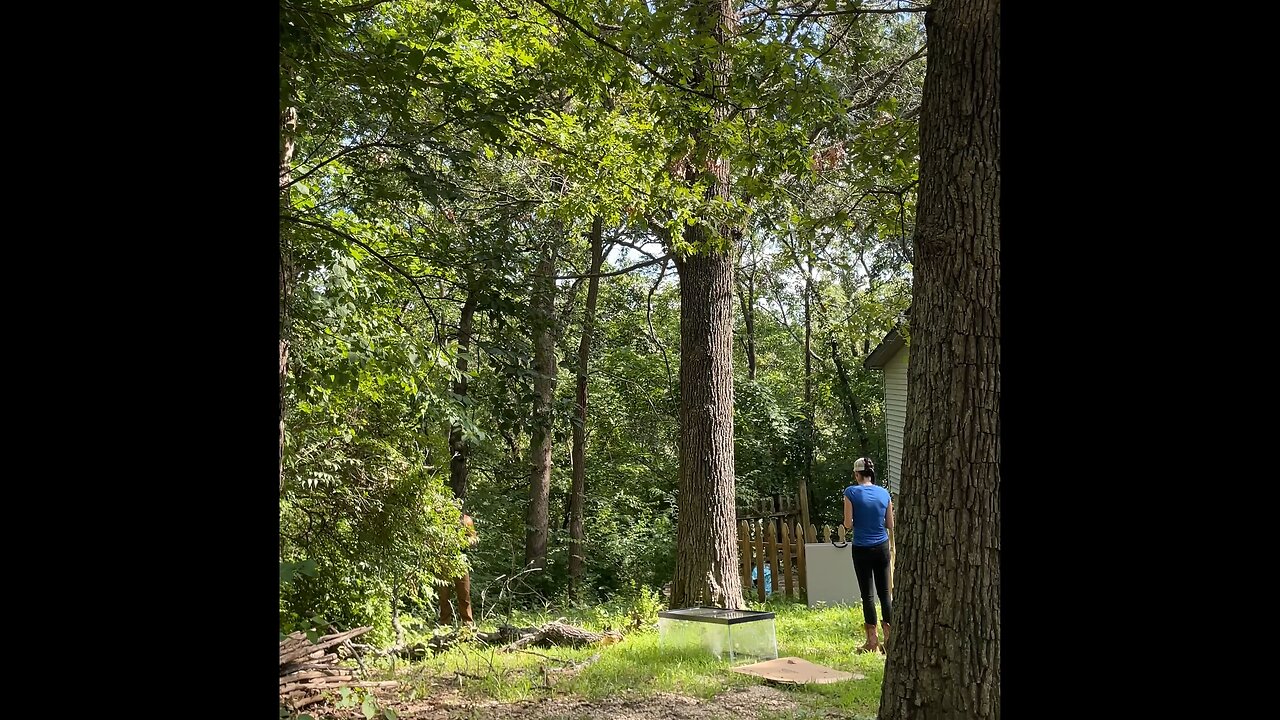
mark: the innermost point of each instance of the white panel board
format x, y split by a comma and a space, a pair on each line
831, 578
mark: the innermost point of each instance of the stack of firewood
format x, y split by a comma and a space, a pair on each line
306, 667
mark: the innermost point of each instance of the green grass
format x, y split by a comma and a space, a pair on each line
826, 636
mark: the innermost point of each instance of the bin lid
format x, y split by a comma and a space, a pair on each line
719, 616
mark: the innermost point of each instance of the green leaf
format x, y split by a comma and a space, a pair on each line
348, 699
369, 707
389, 714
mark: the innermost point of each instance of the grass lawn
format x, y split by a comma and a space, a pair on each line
638, 667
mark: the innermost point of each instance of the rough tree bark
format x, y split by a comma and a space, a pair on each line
707, 560
577, 492
288, 126
543, 309
944, 661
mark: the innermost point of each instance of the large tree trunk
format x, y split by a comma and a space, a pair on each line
944, 661
459, 448
707, 560
288, 126
807, 477
460, 592
850, 401
577, 492
544, 387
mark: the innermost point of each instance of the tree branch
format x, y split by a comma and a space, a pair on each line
350, 238
566, 310
648, 311
828, 13
653, 71
345, 151
358, 7
637, 248
875, 94
623, 271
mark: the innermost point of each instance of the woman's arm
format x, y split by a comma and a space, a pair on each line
888, 516
848, 514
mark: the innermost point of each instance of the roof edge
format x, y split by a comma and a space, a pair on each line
888, 347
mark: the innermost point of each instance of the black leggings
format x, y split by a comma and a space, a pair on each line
869, 561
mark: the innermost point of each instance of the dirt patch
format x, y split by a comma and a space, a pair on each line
738, 704
755, 700
741, 703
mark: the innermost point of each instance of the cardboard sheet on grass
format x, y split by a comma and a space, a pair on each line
796, 671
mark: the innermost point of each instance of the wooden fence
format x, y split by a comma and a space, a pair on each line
781, 544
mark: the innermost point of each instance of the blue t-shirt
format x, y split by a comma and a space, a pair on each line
870, 502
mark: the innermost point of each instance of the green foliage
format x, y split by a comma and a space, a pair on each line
439, 146
365, 700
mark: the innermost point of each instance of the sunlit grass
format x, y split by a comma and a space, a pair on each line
638, 665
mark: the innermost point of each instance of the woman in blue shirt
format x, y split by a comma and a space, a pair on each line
868, 511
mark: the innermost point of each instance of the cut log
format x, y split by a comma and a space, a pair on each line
321, 664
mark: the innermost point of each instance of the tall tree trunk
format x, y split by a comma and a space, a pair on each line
707, 560
459, 448
577, 492
460, 590
544, 387
288, 126
850, 401
808, 400
945, 657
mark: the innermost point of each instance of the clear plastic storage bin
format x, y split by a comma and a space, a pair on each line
749, 633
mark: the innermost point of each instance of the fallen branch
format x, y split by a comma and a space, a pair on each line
564, 673
558, 634
332, 681
545, 657
510, 638
305, 701
346, 645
